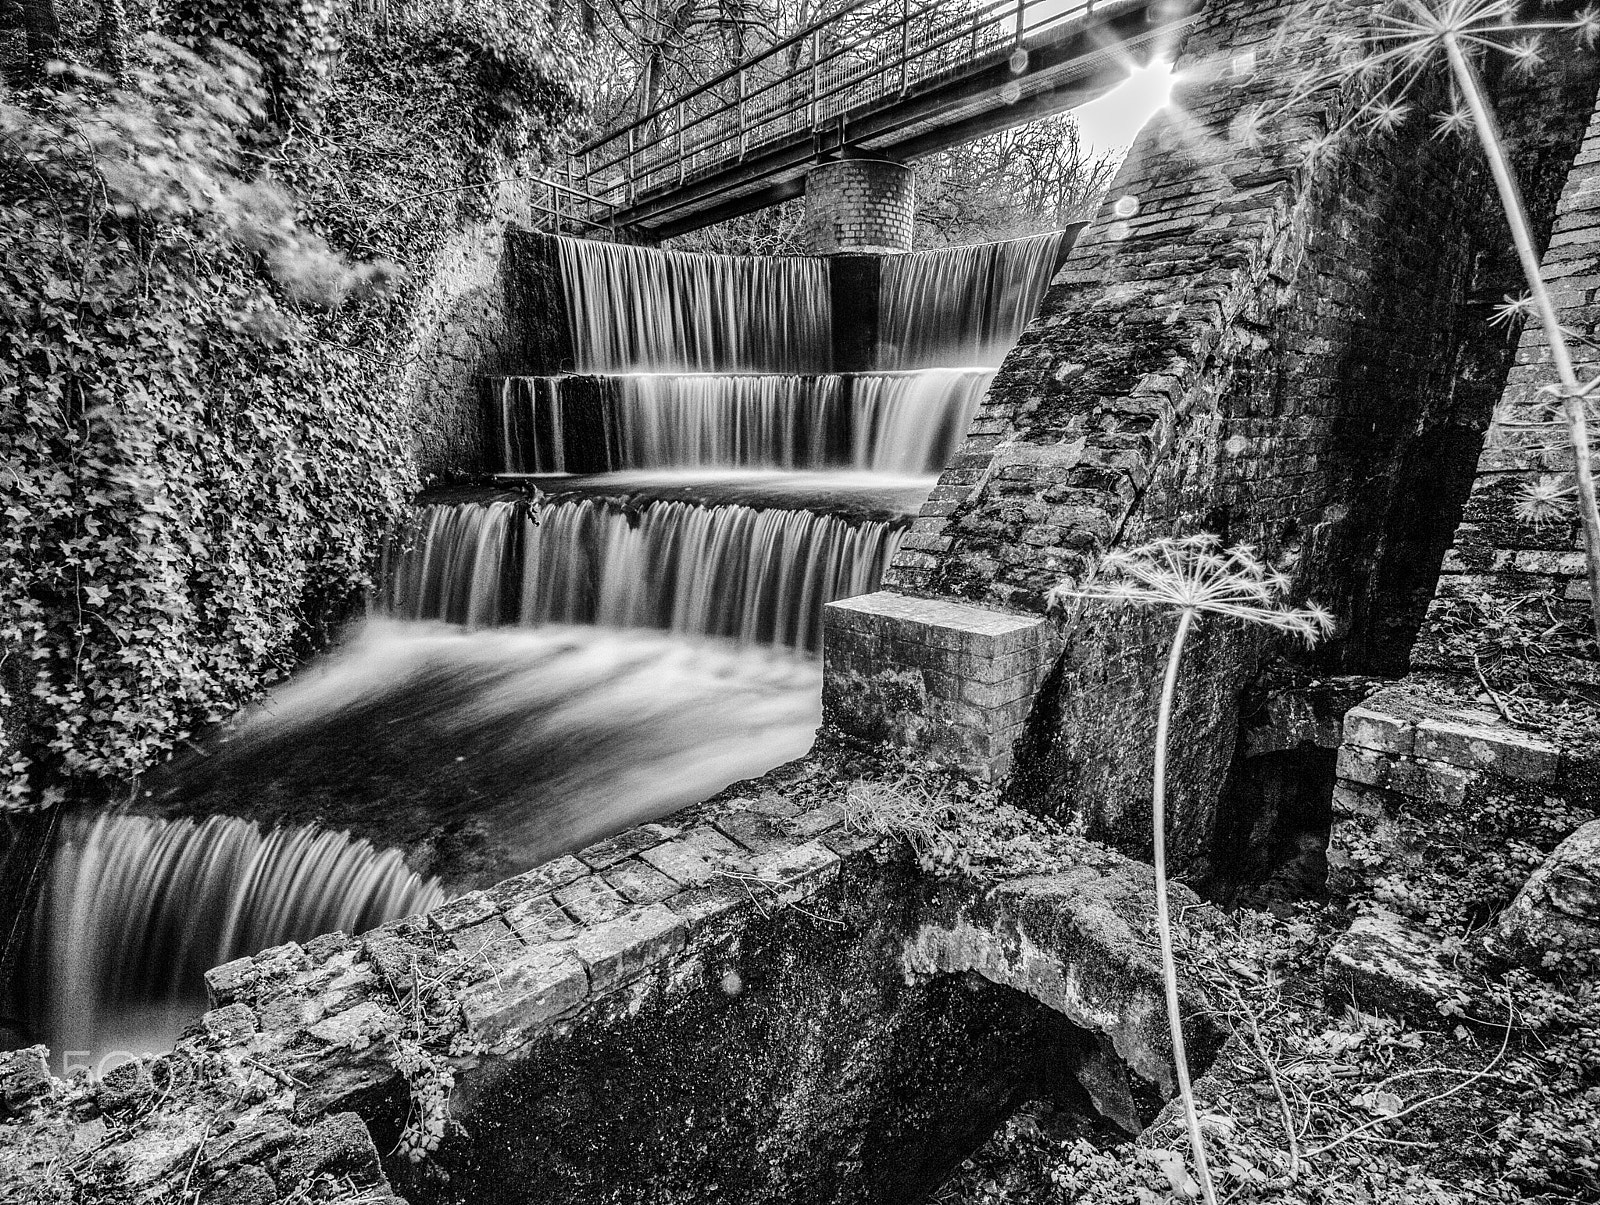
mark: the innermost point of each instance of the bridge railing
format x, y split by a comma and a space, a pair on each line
868, 51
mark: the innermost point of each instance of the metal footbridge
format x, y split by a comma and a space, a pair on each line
894, 79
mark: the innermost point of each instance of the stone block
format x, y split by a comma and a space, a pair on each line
1492, 749
682, 861
231, 1024
711, 901
487, 943
755, 833
24, 1077
226, 982
640, 883
1370, 728
800, 870
621, 949
1389, 965
535, 989
539, 920
1557, 911
591, 901
349, 1028
625, 845
541, 880
818, 820
463, 911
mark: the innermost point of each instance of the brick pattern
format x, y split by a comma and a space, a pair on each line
672, 945
1411, 760
1245, 342
1495, 550
951, 680
543, 946
859, 205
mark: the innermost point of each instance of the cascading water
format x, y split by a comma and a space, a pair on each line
759, 576
899, 422
667, 311
136, 908
496, 709
962, 305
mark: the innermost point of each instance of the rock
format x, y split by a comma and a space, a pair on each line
339, 1146
1386, 964
1557, 912
241, 1186
24, 1076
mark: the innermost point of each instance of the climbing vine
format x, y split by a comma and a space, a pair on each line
206, 272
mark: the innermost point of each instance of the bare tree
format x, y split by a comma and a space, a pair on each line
1036, 177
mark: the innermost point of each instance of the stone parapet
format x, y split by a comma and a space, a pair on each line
949, 679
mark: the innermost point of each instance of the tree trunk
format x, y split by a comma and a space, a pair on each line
44, 37
113, 36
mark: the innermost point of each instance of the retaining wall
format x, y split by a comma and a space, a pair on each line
1254, 342
754, 1001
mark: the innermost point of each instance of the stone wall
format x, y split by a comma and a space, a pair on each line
1497, 549
1442, 751
860, 205
753, 1001
1251, 342
461, 332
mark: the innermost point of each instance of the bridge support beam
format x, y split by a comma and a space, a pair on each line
859, 205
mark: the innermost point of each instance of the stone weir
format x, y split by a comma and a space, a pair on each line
759, 1000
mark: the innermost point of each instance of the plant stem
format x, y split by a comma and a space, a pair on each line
1169, 965
1573, 400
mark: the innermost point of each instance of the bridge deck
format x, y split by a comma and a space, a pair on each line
889, 78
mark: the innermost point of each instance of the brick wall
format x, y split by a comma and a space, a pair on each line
1245, 342
1495, 551
1435, 752
857, 205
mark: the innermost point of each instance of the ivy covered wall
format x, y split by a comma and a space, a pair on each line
216, 266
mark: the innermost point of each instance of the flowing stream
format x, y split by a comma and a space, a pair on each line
626, 622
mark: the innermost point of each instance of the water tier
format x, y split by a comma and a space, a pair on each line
906, 422
760, 576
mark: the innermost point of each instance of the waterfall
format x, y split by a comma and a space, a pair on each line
136, 908
467, 719
635, 307
882, 422
962, 305
760, 575
914, 422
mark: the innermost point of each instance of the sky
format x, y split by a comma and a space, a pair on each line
1111, 122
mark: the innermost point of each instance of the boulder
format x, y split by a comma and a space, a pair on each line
1557, 912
